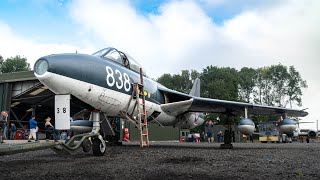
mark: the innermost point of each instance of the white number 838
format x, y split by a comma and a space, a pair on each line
120, 82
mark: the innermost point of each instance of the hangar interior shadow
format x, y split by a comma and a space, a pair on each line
39, 101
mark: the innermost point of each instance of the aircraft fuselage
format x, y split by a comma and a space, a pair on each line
101, 83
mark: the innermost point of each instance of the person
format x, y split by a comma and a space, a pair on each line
219, 137
308, 139
209, 131
5, 130
244, 137
12, 131
114, 126
251, 138
33, 128
3, 125
1, 132
50, 130
301, 139
197, 137
37, 133
69, 131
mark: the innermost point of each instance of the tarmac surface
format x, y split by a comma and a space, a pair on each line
170, 160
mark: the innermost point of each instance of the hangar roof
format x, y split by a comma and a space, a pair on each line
17, 76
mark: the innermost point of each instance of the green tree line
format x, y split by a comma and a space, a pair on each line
276, 85
14, 64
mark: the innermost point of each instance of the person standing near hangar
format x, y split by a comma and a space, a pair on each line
33, 128
12, 130
209, 131
3, 125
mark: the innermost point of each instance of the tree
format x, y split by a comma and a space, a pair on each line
194, 74
183, 81
279, 77
263, 92
166, 80
219, 83
247, 82
14, 64
179, 82
276, 86
295, 84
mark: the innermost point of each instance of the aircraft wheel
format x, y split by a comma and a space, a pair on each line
97, 147
86, 145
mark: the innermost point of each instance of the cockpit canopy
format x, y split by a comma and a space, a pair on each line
121, 58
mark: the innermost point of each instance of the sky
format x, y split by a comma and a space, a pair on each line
167, 36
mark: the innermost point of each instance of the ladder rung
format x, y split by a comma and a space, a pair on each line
144, 134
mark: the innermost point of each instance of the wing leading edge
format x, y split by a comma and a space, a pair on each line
197, 104
189, 103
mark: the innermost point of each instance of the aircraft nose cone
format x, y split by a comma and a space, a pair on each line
41, 66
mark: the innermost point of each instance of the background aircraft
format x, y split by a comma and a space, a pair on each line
305, 133
104, 82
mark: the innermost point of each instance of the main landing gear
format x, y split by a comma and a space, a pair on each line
93, 140
227, 135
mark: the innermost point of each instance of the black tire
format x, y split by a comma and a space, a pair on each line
97, 148
264, 141
86, 145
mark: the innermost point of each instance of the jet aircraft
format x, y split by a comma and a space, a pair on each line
104, 81
307, 133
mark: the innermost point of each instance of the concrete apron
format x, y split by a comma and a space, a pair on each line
20, 146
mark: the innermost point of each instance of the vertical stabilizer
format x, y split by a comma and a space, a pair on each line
195, 91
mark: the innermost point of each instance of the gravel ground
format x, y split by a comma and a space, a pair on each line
171, 161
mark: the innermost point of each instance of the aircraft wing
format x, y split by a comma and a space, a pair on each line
197, 104
209, 105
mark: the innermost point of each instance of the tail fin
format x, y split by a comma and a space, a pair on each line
195, 91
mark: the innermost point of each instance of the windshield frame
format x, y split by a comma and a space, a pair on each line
127, 61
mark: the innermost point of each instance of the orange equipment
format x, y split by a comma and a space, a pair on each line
126, 134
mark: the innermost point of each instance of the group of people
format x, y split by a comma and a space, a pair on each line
49, 128
245, 137
34, 129
4, 127
209, 132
